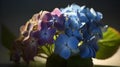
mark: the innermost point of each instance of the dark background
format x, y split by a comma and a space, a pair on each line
16, 12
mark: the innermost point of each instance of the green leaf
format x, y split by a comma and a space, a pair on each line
109, 44
7, 37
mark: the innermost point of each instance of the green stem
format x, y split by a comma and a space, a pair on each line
45, 50
49, 48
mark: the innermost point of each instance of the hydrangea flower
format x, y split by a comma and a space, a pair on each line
46, 32
84, 25
58, 19
73, 30
88, 49
30, 49
26, 49
64, 45
45, 35
75, 33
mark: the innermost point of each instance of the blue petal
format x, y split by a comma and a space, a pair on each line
61, 40
82, 24
77, 34
75, 7
65, 53
60, 43
93, 12
94, 44
74, 22
90, 15
82, 9
72, 43
92, 52
99, 16
95, 29
84, 30
58, 49
84, 51
67, 24
98, 30
82, 17
67, 9
92, 47
69, 32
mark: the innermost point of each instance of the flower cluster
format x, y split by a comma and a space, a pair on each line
73, 30
81, 33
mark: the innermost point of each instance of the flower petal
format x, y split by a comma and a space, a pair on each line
77, 34
99, 16
84, 51
82, 17
65, 53
69, 32
56, 11
72, 43
74, 22
75, 7
60, 43
92, 52
61, 40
